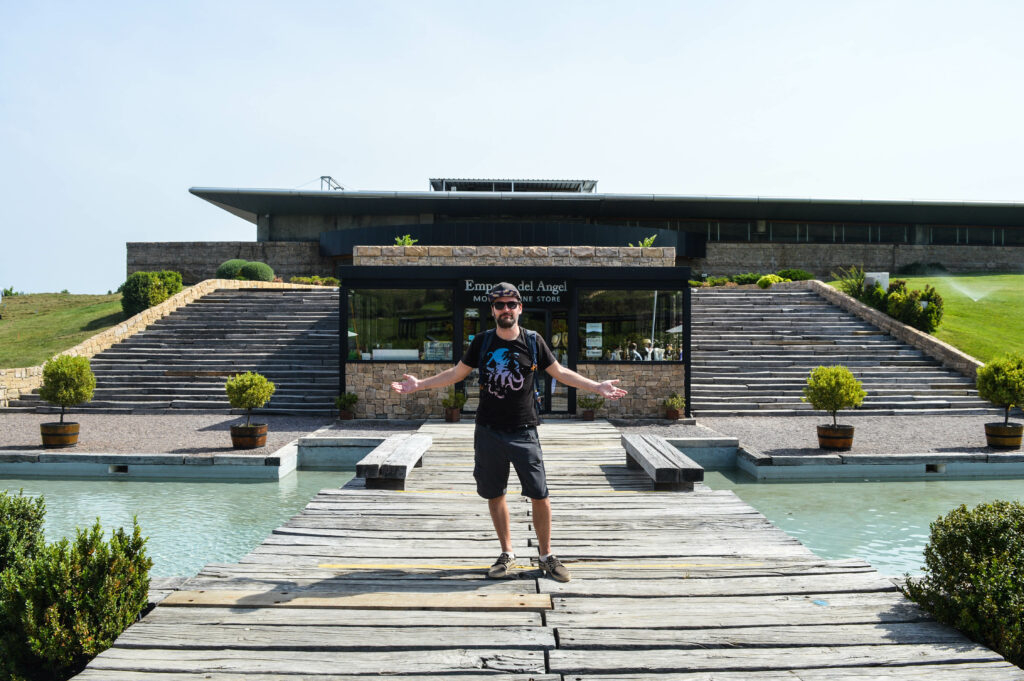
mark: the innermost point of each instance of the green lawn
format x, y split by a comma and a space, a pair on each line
37, 326
984, 312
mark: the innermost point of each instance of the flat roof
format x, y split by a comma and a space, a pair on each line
248, 203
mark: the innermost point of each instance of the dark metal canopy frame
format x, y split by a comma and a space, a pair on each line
455, 279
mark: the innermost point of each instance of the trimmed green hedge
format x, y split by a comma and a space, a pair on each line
974, 575
229, 268
143, 290
62, 604
256, 271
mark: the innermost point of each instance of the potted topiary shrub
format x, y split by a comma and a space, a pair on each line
1001, 382
831, 389
674, 405
248, 391
589, 404
453, 403
67, 381
344, 403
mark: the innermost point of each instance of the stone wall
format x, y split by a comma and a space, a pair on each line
22, 380
515, 256
199, 260
822, 259
647, 385
372, 382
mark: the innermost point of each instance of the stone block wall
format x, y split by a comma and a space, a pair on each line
822, 259
199, 260
647, 385
372, 382
23, 380
515, 256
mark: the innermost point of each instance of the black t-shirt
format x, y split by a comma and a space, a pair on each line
506, 381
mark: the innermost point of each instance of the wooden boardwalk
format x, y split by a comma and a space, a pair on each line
681, 586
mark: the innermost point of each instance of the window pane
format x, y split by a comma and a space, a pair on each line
611, 320
400, 324
943, 235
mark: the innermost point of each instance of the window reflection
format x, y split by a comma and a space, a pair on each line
630, 325
400, 324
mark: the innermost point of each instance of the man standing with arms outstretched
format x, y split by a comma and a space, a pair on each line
506, 420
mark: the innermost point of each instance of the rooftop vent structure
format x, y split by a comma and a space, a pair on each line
452, 184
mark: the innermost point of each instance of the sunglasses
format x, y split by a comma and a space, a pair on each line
501, 305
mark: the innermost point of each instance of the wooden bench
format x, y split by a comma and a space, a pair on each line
389, 464
669, 468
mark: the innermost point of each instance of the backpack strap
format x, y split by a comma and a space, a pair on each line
485, 344
531, 342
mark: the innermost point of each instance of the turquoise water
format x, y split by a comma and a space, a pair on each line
188, 523
883, 522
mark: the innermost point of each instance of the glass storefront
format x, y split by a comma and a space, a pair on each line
585, 315
615, 324
400, 324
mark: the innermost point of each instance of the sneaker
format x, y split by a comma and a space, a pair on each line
502, 567
554, 568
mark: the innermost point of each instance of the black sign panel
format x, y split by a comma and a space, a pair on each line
546, 292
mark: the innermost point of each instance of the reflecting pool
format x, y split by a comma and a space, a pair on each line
883, 522
188, 523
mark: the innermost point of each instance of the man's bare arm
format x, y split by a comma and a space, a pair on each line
609, 389
410, 384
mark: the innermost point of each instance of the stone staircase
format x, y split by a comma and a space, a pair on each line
752, 351
181, 361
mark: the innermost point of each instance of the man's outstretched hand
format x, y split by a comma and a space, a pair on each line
408, 384
610, 390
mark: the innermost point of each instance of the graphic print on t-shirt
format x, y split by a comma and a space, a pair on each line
503, 373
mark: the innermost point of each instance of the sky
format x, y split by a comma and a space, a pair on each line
111, 111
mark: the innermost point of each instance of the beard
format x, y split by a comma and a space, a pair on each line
506, 321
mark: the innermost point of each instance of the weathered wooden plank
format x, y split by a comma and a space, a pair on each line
961, 671
758, 659
466, 583
447, 661
745, 586
374, 600
216, 616
699, 612
406, 456
369, 465
179, 636
893, 633
131, 675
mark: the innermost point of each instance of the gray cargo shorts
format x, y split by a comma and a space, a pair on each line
494, 449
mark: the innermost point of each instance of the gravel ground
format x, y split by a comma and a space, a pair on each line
873, 435
166, 434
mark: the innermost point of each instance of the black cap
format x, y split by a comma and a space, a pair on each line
503, 290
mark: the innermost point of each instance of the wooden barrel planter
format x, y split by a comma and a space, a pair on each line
249, 437
1001, 436
452, 414
835, 437
346, 415
588, 415
57, 435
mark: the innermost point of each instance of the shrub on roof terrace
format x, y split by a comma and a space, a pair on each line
256, 271
795, 274
229, 268
974, 561
746, 278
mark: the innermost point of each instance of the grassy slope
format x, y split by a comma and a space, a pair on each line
39, 325
984, 313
